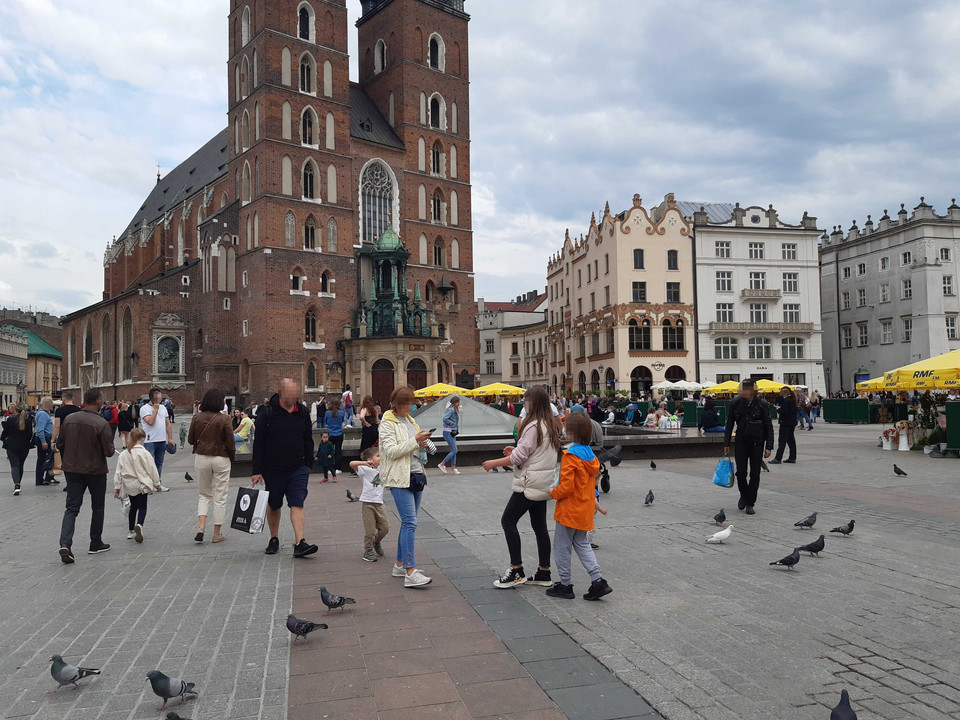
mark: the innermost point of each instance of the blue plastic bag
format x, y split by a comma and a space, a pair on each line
723, 475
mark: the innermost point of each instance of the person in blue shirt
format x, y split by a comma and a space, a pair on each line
43, 439
451, 428
334, 420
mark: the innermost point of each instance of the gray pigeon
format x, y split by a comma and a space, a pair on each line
653, 465
807, 522
174, 716
167, 687
302, 628
334, 601
351, 497
843, 711
790, 560
814, 548
844, 529
68, 674
720, 517
898, 471
648, 500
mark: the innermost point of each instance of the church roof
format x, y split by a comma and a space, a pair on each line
389, 240
38, 346
188, 178
366, 122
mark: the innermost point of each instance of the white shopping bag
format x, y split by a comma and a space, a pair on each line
250, 510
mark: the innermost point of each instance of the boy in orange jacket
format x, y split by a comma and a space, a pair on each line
575, 494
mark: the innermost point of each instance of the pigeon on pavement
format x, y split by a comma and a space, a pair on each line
790, 560
720, 517
844, 529
653, 465
189, 479
807, 522
334, 601
302, 628
898, 471
815, 547
843, 711
167, 687
719, 537
174, 716
351, 497
68, 674
648, 500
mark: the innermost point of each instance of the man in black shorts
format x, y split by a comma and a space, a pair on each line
282, 458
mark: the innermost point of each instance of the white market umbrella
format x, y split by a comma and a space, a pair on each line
687, 385
664, 385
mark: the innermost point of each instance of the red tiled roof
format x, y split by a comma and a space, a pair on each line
514, 307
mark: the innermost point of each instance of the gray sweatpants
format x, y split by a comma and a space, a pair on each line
564, 541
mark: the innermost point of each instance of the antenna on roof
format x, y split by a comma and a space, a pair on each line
158, 173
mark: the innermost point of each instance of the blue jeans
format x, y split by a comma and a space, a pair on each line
801, 415
451, 458
76, 486
717, 429
408, 504
815, 412
158, 450
238, 439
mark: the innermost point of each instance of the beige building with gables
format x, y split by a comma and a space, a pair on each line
620, 312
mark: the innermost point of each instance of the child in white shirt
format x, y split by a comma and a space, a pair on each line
136, 477
375, 523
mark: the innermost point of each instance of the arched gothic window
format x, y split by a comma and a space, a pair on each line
376, 192
309, 235
290, 231
325, 282
310, 326
437, 53
307, 74
308, 188
306, 127
434, 112
438, 254
303, 24
436, 158
245, 27
312, 375
332, 235
380, 57
437, 206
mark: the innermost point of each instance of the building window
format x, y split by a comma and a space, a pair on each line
303, 26
639, 292
593, 302
325, 283
490, 346
791, 313
886, 332
638, 259
435, 112
758, 280
906, 258
673, 260
791, 348
579, 278
789, 251
948, 284
309, 235
296, 282
846, 273
758, 312
795, 378
673, 292
724, 281
589, 270
579, 306
611, 341
380, 57
906, 289
308, 188
332, 235
606, 296
595, 344
244, 279
306, 127
438, 254
307, 74
606, 264
310, 327
726, 348
861, 269
756, 251
583, 346
226, 303
846, 337
907, 329
725, 312
245, 328
845, 300
437, 53
791, 282
884, 263
673, 335
758, 348
639, 335
944, 254
436, 207
861, 297
491, 367
884, 292
516, 369
722, 248
377, 193
951, 321
863, 335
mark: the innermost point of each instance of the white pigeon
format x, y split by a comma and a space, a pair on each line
721, 536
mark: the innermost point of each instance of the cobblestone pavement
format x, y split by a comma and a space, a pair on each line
201, 612
712, 632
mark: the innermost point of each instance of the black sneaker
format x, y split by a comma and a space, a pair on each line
66, 555
598, 588
559, 590
542, 578
96, 549
776, 462
513, 576
303, 548
594, 546
750, 510
741, 504
16, 489
273, 547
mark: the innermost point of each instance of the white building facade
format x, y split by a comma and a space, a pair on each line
523, 354
495, 317
758, 295
889, 293
13, 365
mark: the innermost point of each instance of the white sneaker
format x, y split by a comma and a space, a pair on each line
138, 532
164, 489
443, 468
416, 579
131, 535
456, 472
398, 571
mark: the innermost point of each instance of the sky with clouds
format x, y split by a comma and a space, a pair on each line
839, 109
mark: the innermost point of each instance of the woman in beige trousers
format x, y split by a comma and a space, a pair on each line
211, 435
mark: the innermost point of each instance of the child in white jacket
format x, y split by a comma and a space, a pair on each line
135, 478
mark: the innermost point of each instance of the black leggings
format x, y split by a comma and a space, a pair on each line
517, 505
138, 510
337, 441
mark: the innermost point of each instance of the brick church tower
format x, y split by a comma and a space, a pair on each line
326, 235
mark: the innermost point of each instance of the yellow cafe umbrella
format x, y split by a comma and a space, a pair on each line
872, 384
730, 386
497, 388
767, 386
929, 373
438, 390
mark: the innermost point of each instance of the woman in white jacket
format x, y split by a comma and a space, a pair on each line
136, 477
535, 461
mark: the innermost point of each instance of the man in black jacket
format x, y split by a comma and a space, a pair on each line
751, 415
787, 415
282, 458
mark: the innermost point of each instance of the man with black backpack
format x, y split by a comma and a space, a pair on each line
282, 458
751, 416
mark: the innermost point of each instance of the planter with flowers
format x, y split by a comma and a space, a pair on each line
903, 433
888, 437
